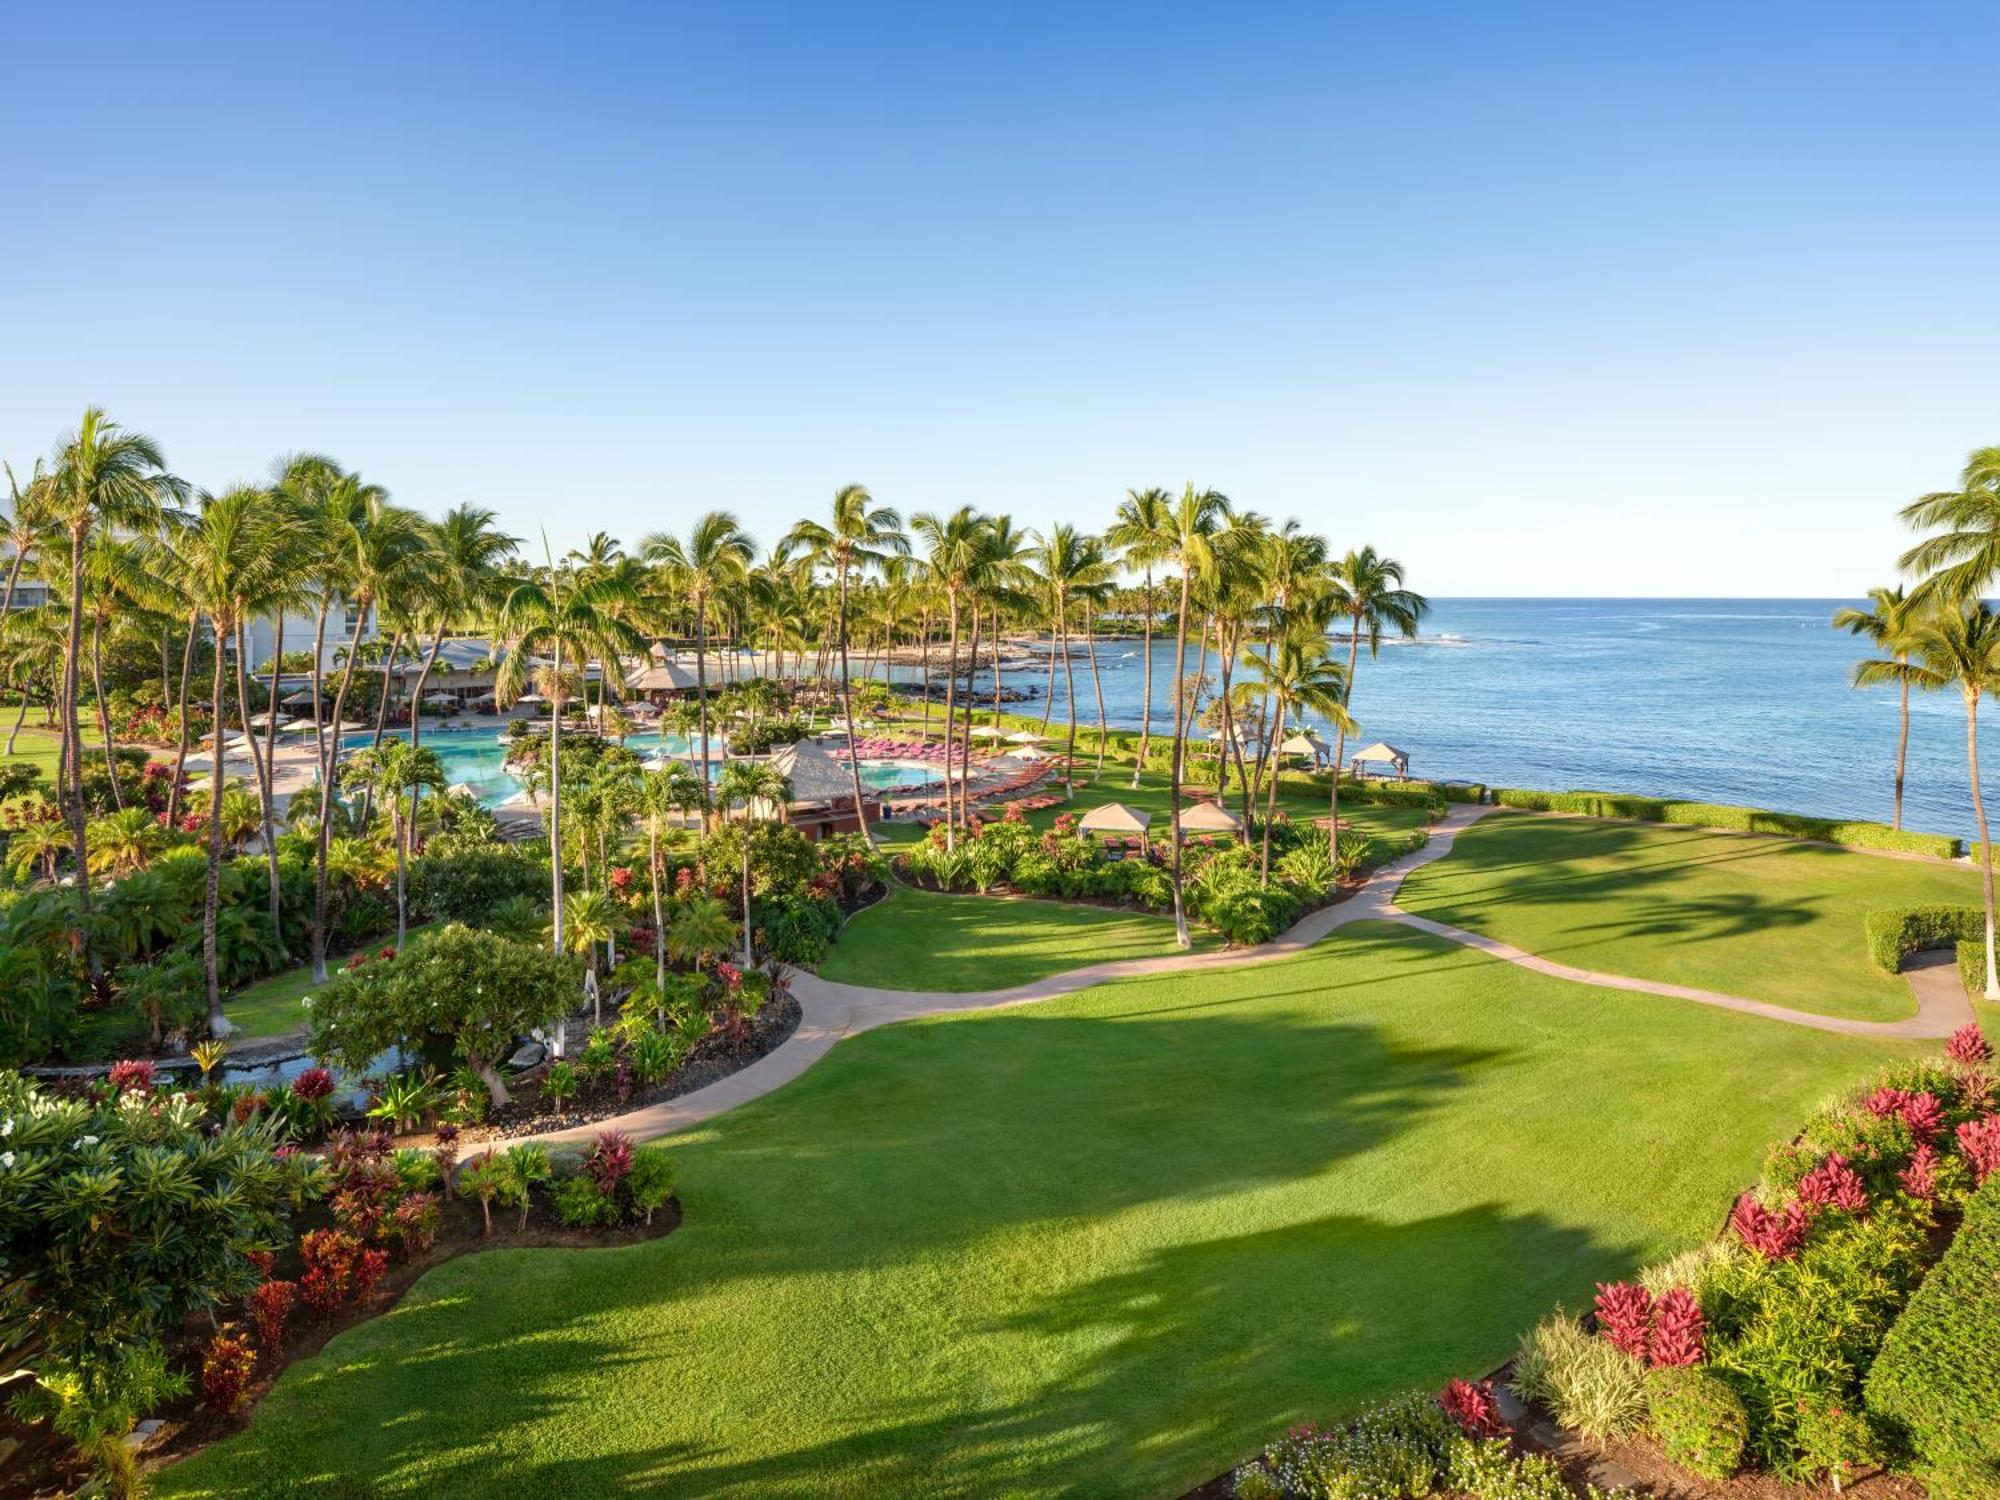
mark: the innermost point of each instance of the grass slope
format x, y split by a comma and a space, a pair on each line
1101, 1245
920, 940
1768, 919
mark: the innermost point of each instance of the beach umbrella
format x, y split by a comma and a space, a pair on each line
1116, 817
440, 700
301, 699
461, 789
988, 732
1024, 737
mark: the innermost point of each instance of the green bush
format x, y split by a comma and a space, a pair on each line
1972, 966
1938, 1374
1895, 932
1855, 834
795, 929
1698, 1419
1592, 1387
465, 886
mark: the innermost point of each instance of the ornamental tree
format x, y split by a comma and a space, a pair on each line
473, 993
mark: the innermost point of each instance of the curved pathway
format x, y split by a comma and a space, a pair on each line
831, 1010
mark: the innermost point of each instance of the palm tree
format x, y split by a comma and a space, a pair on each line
1297, 671
467, 553
1964, 557
1369, 590
376, 549
862, 535
745, 784
124, 841
952, 560
714, 559
1070, 563
1140, 533
564, 616
41, 843
102, 476
388, 771
1959, 646
1194, 524
663, 793
701, 927
590, 921
1886, 625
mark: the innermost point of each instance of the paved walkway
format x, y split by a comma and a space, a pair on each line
831, 1010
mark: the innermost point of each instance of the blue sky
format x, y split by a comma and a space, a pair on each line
1544, 300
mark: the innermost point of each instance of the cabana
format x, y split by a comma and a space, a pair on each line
1382, 753
461, 789
660, 680
822, 792
1210, 817
1116, 817
302, 699
1306, 743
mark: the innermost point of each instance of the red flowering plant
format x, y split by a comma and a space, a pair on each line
1679, 1336
1472, 1406
1625, 1316
1833, 1184
1775, 1236
270, 1306
1979, 1141
132, 1076
622, 878
1968, 1045
1919, 1178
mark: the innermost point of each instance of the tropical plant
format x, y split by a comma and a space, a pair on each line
1368, 590
712, 562
387, 772
1887, 625
749, 785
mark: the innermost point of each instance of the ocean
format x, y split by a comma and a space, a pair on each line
1721, 700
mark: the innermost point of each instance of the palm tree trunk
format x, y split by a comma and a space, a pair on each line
319, 725
1069, 686
964, 754
926, 672
847, 712
1270, 806
395, 800
993, 658
701, 694
950, 711
1180, 750
1902, 751
1048, 690
417, 698
747, 961
264, 797
181, 754
1985, 840
555, 808
1224, 656
103, 713
1146, 708
1346, 695
218, 1024
328, 773
659, 911
388, 690
1096, 681
72, 741
19, 719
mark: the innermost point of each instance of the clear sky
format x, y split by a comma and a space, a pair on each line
1589, 299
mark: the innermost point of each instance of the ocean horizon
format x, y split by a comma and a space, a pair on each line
1716, 699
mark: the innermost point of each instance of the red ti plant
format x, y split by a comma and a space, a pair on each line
1625, 1315
1919, 1178
271, 1305
1775, 1236
132, 1076
1471, 1405
1679, 1336
1924, 1115
225, 1371
1834, 1184
609, 1161
1980, 1141
1968, 1045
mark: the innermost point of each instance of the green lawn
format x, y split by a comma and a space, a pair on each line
919, 940
1115, 785
1768, 919
1103, 1245
270, 1007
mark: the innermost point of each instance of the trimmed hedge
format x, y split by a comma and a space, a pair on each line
1972, 966
1895, 932
1938, 1375
1852, 833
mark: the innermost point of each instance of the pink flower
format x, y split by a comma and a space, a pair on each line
1968, 1044
1625, 1315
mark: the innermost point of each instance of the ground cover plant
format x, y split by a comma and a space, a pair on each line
1767, 919
1040, 1249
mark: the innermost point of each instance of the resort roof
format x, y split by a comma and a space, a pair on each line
1383, 750
1115, 817
660, 677
815, 776
1306, 743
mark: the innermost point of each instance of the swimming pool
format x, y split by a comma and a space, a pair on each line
477, 758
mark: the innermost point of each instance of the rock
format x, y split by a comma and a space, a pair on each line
144, 1433
531, 1055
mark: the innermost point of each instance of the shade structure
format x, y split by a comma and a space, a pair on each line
531, 698
1024, 737
661, 677
1383, 753
264, 721
1030, 753
988, 732
1209, 817
1115, 817
1307, 743
815, 776
440, 700
302, 699
460, 789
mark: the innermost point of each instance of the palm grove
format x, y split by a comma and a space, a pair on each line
151, 587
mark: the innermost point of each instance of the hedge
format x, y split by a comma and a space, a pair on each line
1895, 932
1938, 1374
1718, 815
1972, 966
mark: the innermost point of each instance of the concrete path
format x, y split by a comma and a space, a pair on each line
831, 1010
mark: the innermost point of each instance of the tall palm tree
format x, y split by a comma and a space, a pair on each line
714, 559
102, 475
1069, 563
1370, 593
389, 771
468, 552
746, 784
1194, 524
1959, 646
1964, 557
663, 793
222, 558
374, 549
861, 535
1886, 625
326, 498
1297, 671
1139, 532
563, 615
952, 558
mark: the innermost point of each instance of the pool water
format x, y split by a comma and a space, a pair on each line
477, 758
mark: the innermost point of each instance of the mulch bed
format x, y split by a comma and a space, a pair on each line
1662, 1479
44, 1466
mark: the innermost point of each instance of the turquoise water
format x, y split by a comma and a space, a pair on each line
477, 759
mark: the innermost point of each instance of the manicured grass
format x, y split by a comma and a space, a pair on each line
920, 940
1768, 919
1104, 1245
270, 1007
1115, 785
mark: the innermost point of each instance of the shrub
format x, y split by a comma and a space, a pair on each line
1979, 1140
795, 929
1895, 932
651, 1181
1834, 1439
1698, 1419
1938, 1373
1395, 1449
225, 1371
582, 1204
1592, 1387
271, 1306
465, 885
1679, 1336
1774, 1236
1489, 1469
1968, 1045
1625, 1316
1471, 1405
